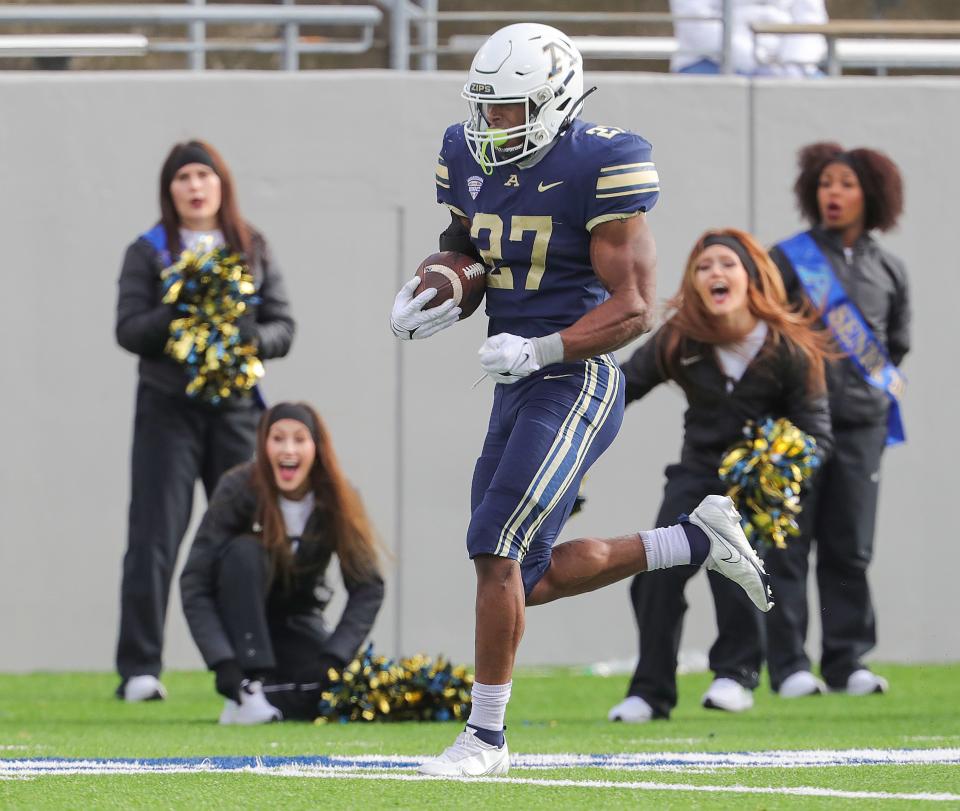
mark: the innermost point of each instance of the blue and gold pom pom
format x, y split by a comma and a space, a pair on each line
212, 289
766, 472
417, 688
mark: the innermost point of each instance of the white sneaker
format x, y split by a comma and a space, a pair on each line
252, 709
864, 682
800, 684
729, 695
730, 552
469, 757
143, 688
632, 710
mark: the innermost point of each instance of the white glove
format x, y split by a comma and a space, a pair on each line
409, 320
508, 358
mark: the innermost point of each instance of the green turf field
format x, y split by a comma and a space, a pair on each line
73, 716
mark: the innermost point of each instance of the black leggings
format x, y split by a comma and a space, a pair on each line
839, 514
281, 648
659, 606
175, 442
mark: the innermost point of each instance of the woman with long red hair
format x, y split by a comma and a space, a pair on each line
254, 586
739, 352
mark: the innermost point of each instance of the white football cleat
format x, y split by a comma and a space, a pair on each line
252, 709
730, 551
728, 695
143, 688
864, 682
800, 684
632, 710
469, 757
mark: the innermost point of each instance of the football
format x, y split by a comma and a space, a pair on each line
456, 276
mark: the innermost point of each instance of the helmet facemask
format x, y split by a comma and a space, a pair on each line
528, 64
487, 143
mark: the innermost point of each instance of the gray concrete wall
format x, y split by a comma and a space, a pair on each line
336, 169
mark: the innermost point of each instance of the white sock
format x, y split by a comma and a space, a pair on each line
665, 547
489, 705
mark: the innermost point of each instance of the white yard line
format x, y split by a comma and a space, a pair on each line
399, 768
338, 773
631, 761
644, 785
682, 761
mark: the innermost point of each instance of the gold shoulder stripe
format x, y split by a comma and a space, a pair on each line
443, 171
643, 190
623, 166
628, 179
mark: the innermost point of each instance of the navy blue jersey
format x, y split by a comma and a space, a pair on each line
532, 225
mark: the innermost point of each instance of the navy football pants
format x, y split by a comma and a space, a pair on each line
545, 432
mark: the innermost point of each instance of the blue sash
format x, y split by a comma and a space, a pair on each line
157, 236
847, 324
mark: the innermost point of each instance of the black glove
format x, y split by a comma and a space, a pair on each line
248, 330
168, 313
329, 662
162, 317
319, 670
229, 679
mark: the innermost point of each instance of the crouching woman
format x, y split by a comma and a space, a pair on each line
254, 586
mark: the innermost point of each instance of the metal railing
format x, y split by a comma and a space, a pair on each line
59, 46
850, 43
197, 15
424, 16
591, 47
872, 52
870, 44
874, 44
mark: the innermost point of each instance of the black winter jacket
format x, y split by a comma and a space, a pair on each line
876, 282
231, 513
143, 321
773, 385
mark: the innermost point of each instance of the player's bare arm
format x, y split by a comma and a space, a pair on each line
624, 257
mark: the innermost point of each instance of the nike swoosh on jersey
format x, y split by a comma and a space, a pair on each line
548, 186
688, 361
556, 377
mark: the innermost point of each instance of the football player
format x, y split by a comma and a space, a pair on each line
556, 208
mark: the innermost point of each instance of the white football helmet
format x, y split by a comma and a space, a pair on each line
530, 64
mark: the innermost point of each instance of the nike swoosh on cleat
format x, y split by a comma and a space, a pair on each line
548, 186
730, 549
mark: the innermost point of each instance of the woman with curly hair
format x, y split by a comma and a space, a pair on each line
861, 290
738, 351
254, 586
